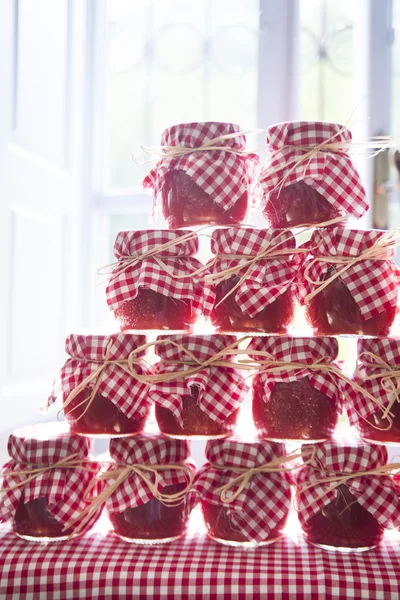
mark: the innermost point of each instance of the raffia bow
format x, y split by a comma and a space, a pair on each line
390, 382
342, 478
121, 473
125, 262
95, 378
308, 153
377, 252
28, 475
245, 474
162, 152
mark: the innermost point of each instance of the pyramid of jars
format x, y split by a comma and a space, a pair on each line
210, 311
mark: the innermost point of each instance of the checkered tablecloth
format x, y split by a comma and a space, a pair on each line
102, 566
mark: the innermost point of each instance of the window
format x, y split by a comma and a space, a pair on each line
237, 65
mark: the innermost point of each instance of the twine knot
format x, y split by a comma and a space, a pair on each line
245, 474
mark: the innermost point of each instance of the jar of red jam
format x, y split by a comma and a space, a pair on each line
100, 392
245, 496
156, 283
296, 394
310, 177
204, 175
45, 484
155, 473
345, 293
375, 408
253, 294
339, 507
199, 389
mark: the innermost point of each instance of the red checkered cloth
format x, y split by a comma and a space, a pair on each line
146, 450
332, 174
376, 493
88, 352
268, 278
263, 503
64, 488
104, 567
170, 272
387, 350
374, 284
224, 175
308, 351
221, 389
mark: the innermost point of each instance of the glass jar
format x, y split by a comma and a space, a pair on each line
304, 185
351, 511
101, 396
201, 402
203, 187
237, 517
300, 403
156, 284
263, 301
46, 482
362, 300
135, 512
377, 373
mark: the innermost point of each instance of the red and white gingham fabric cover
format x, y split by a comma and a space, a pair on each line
373, 284
100, 565
268, 278
221, 389
265, 500
376, 493
146, 449
331, 174
43, 445
88, 352
224, 176
147, 273
388, 350
299, 350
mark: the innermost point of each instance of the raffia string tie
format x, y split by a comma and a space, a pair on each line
194, 364
28, 475
245, 474
338, 479
119, 474
270, 251
124, 262
306, 154
379, 251
389, 380
95, 378
276, 367
162, 152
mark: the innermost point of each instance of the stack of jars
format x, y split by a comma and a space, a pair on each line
109, 386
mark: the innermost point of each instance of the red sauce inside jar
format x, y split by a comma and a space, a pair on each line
344, 523
392, 435
298, 204
152, 520
195, 421
334, 311
32, 519
294, 411
274, 318
184, 204
102, 417
151, 310
220, 527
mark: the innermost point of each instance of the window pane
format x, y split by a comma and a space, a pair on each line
172, 61
326, 55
